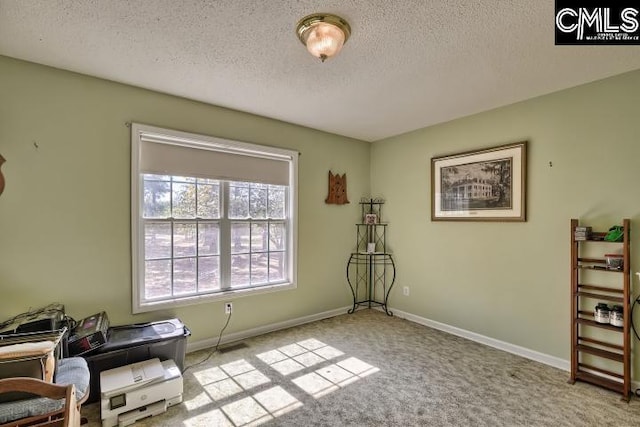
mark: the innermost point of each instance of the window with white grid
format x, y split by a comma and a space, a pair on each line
210, 218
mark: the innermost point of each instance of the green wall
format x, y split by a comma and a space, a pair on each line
64, 215
65, 212
511, 281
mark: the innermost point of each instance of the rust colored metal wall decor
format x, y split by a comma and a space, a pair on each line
2, 160
337, 189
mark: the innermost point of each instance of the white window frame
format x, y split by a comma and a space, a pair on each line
138, 131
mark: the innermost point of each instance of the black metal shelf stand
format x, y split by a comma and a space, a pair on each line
371, 272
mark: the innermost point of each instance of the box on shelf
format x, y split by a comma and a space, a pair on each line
89, 334
614, 261
45, 322
582, 233
165, 339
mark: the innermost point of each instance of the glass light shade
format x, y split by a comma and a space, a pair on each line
324, 40
323, 34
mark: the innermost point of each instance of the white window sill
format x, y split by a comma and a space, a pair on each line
201, 299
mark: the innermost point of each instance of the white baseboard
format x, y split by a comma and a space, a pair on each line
241, 335
554, 361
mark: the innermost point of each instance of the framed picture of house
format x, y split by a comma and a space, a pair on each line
483, 185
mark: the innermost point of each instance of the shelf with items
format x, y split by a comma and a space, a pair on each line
603, 334
371, 269
371, 234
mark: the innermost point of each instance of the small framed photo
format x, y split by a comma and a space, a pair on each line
371, 219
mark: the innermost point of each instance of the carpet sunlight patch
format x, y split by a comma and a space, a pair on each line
241, 394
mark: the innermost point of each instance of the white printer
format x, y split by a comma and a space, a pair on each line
140, 390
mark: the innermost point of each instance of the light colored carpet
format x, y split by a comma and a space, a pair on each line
368, 369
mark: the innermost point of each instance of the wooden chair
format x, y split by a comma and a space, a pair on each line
35, 389
68, 415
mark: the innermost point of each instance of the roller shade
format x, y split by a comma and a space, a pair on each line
164, 155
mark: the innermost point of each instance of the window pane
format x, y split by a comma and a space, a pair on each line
157, 203
259, 237
239, 270
208, 273
184, 200
238, 200
208, 201
208, 238
183, 179
258, 201
277, 236
157, 240
208, 181
276, 201
239, 237
276, 267
184, 276
184, 240
259, 268
157, 279
154, 177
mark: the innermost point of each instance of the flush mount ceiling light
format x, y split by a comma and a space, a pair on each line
323, 34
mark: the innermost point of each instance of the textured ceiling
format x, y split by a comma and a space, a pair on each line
407, 65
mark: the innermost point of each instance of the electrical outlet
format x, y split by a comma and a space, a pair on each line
228, 308
405, 291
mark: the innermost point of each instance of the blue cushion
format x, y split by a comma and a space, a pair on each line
10, 411
74, 371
